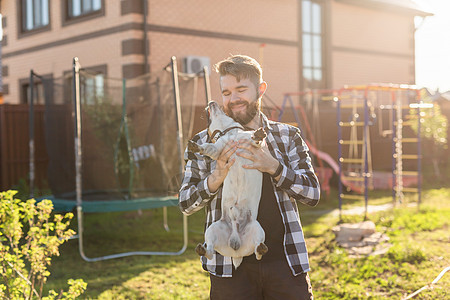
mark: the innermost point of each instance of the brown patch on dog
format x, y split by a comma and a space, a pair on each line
262, 249
259, 134
201, 250
193, 147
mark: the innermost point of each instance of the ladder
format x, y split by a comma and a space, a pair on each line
354, 157
403, 135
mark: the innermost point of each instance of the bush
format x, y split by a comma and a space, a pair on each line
28, 241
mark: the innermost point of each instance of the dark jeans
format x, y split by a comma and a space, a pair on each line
262, 280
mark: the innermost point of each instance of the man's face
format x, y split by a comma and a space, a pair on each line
240, 98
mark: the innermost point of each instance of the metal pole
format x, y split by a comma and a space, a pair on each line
419, 160
338, 117
78, 152
31, 134
127, 138
394, 140
77, 128
366, 162
399, 148
176, 93
146, 46
280, 115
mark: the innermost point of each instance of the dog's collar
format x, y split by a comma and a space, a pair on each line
222, 133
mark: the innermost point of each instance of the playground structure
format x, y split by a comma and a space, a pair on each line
387, 109
124, 150
116, 144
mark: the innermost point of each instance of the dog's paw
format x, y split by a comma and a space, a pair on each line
200, 250
193, 147
261, 249
259, 135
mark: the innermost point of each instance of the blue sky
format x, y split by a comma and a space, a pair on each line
433, 47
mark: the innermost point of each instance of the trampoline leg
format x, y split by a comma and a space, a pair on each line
166, 225
126, 254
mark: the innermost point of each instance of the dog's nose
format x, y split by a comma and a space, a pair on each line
212, 104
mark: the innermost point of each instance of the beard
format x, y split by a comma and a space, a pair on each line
243, 117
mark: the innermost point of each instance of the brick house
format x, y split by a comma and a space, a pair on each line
300, 43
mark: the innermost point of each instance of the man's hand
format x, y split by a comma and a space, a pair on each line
223, 165
260, 156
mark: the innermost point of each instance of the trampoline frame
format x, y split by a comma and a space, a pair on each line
78, 165
134, 204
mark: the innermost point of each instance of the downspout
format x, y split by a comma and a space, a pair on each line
300, 45
146, 44
414, 43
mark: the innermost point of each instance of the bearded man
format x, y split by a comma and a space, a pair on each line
288, 177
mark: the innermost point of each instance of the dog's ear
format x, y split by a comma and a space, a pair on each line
193, 147
259, 135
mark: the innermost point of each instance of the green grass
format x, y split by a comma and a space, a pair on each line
419, 251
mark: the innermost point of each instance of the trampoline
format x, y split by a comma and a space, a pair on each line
116, 144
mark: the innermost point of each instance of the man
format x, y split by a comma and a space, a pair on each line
287, 176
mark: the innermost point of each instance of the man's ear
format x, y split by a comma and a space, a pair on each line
262, 88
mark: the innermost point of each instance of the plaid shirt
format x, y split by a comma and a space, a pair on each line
298, 182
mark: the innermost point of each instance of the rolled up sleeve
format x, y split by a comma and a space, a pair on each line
194, 192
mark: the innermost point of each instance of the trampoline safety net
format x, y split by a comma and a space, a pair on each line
128, 134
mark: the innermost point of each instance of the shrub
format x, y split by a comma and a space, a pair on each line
29, 238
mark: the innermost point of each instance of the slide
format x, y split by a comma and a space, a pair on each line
334, 165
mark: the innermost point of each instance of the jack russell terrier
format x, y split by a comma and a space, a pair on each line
237, 233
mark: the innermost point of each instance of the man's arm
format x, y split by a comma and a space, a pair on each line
194, 192
200, 184
298, 179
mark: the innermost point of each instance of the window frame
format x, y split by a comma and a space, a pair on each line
22, 32
24, 85
98, 70
68, 20
323, 82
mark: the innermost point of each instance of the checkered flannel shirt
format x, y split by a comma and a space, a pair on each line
298, 182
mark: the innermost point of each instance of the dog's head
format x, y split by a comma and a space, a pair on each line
219, 121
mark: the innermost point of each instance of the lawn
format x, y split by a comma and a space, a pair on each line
419, 237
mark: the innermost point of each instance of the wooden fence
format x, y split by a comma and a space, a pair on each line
14, 146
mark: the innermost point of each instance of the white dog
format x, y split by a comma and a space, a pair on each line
237, 233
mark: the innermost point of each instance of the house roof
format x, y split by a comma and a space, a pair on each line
403, 6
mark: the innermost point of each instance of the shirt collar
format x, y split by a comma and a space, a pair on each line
265, 122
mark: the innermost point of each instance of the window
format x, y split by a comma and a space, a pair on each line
312, 44
38, 90
92, 85
35, 14
77, 8
92, 88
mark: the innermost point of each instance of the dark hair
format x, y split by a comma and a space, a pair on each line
240, 66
